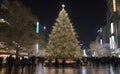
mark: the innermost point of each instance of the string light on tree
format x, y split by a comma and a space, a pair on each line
63, 41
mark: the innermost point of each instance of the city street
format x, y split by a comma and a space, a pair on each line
67, 70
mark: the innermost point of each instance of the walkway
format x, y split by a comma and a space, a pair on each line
67, 70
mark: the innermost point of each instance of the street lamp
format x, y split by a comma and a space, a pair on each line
44, 29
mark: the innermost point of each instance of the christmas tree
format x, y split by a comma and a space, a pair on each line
63, 41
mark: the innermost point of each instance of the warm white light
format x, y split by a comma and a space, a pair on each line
63, 5
2, 20
37, 47
114, 5
119, 55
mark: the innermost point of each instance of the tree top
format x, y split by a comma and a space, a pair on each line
63, 6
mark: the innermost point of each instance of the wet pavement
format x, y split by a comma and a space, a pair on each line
104, 69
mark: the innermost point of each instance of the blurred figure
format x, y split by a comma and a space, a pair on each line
63, 62
1, 61
42, 60
56, 62
10, 62
23, 62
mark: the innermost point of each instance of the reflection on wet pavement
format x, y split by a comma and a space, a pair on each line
67, 70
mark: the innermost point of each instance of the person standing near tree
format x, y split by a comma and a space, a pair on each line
63, 62
10, 62
56, 62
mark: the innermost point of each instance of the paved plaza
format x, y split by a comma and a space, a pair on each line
104, 69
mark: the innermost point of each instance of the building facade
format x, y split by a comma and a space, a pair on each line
113, 23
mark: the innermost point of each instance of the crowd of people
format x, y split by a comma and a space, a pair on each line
96, 61
87, 61
20, 62
33, 61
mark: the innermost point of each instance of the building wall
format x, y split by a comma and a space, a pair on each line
113, 16
105, 34
118, 27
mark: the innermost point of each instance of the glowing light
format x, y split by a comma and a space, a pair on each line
84, 71
37, 27
114, 5
110, 42
111, 69
63, 5
100, 29
113, 42
84, 53
94, 54
2, 20
101, 42
44, 27
112, 28
37, 47
119, 55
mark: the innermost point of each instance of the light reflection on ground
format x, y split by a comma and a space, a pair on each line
67, 70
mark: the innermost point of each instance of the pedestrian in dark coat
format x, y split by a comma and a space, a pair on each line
10, 62
1, 60
56, 62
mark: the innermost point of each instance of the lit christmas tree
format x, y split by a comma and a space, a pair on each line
63, 41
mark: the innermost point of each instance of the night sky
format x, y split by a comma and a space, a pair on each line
87, 16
